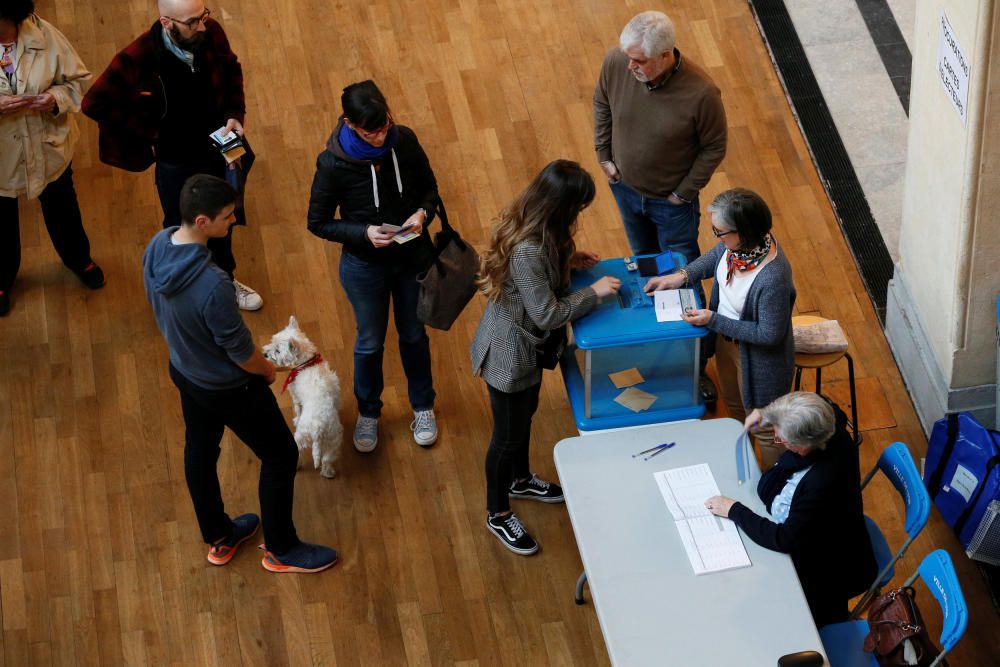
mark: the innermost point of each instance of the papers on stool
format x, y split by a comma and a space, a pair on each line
712, 544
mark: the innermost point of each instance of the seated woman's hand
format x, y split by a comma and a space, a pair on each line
719, 505
672, 281
697, 316
753, 420
584, 259
379, 239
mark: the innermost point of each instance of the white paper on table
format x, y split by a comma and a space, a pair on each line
712, 544
669, 304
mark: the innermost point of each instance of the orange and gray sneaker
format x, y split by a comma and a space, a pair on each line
301, 558
244, 527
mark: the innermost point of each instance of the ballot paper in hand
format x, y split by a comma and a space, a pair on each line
712, 544
670, 304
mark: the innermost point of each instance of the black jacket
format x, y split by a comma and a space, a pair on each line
825, 531
345, 183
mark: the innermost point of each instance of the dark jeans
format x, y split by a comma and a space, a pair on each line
370, 287
170, 179
655, 225
61, 213
252, 413
507, 457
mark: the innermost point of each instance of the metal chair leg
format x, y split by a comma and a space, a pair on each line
579, 587
854, 399
819, 381
798, 377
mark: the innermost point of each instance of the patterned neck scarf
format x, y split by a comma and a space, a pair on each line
7, 62
746, 260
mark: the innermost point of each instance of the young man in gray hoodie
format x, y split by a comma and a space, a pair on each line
223, 381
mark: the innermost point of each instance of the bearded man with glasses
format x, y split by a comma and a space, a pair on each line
158, 101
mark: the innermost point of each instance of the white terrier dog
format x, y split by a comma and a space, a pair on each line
315, 391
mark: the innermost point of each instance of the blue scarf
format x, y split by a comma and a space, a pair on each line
359, 149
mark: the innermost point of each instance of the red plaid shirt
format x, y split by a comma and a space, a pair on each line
128, 103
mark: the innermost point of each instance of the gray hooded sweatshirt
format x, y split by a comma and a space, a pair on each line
194, 303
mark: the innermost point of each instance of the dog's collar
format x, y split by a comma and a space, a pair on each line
318, 359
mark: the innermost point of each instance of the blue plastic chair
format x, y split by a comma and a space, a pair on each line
896, 464
844, 642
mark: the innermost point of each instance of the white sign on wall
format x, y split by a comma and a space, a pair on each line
953, 69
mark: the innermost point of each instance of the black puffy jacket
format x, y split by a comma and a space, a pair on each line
346, 183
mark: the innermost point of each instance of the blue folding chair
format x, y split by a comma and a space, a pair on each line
896, 464
844, 642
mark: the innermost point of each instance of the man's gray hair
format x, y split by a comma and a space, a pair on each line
653, 32
721, 209
804, 418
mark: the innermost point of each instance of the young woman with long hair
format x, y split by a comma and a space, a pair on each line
525, 276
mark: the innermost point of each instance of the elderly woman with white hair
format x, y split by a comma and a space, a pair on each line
813, 496
750, 310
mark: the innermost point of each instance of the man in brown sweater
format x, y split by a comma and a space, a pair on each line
659, 133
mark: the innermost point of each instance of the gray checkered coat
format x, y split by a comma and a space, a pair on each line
528, 307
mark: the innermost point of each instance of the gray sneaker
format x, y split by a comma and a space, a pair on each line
366, 434
424, 427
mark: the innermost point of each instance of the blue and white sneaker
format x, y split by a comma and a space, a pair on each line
366, 434
424, 427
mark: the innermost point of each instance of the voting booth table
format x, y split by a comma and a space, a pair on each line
623, 333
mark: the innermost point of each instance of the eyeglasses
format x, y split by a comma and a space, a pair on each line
778, 440
719, 234
192, 23
371, 134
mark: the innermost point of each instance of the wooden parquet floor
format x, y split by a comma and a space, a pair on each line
100, 557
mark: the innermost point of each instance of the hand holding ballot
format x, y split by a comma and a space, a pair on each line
699, 317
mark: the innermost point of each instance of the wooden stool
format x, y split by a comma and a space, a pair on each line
820, 361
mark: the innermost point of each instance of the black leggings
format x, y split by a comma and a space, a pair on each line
507, 457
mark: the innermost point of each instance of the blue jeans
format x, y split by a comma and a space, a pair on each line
369, 287
655, 225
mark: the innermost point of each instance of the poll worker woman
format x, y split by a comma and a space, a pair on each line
750, 310
42, 81
376, 173
813, 496
525, 277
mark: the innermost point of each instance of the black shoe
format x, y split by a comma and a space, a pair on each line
4, 303
709, 393
511, 533
536, 489
92, 276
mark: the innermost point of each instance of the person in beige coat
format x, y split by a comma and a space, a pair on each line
42, 81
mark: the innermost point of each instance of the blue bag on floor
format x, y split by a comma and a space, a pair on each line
962, 471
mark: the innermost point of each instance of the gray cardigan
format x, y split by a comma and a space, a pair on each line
764, 330
528, 307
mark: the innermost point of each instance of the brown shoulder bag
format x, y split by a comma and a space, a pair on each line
897, 635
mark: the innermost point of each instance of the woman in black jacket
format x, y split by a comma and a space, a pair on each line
377, 174
813, 495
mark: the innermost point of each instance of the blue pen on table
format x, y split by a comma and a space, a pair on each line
655, 450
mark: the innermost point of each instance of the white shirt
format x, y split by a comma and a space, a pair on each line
733, 296
783, 501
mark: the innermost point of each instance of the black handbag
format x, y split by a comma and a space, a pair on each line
449, 283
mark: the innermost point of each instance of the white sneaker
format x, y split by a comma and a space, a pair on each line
246, 297
366, 434
424, 427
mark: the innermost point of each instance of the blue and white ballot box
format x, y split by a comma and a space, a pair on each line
622, 340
